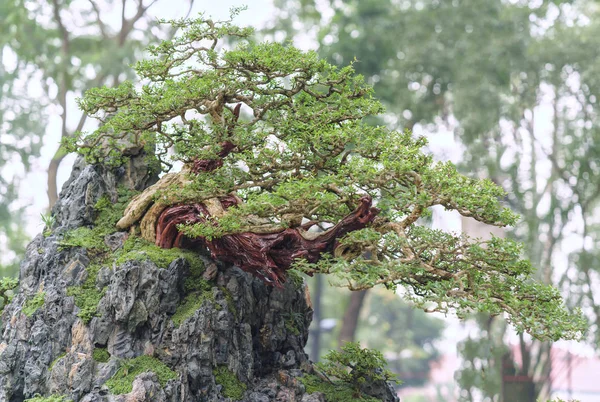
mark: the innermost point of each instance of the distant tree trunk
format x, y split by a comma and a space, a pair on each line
52, 178
350, 320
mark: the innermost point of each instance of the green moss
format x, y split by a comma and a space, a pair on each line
32, 305
136, 248
232, 387
87, 296
84, 237
193, 301
230, 302
51, 398
109, 214
336, 391
56, 360
101, 355
122, 381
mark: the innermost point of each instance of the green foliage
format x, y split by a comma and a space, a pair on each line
481, 69
122, 381
49, 221
305, 151
7, 286
295, 277
356, 366
232, 387
52, 398
336, 391
101, 355
33, 304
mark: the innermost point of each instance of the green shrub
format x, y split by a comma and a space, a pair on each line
356, 366
7, 286
335, 391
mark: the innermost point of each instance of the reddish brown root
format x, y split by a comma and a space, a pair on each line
265, 255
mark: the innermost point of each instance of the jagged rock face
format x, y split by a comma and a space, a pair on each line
252, 332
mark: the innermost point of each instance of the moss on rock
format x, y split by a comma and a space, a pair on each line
87, 296
230, 302
108, 213
56, 360
101, 355
122, 381
136, 248
51, 398
201, 291
33, 304
232, 387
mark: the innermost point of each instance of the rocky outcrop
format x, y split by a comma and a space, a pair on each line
110, 318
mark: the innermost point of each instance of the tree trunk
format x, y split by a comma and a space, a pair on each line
350, 320
148, 325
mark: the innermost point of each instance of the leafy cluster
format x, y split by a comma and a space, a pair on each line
302, 152
7, 286
357, 366
333, 391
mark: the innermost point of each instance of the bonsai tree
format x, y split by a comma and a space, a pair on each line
274, 144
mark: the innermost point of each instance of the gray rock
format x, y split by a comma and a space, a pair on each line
116, 240
238, 324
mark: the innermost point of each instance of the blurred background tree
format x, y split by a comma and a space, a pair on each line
517, 84
51, 53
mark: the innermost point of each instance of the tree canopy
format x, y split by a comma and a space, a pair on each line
301, 151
